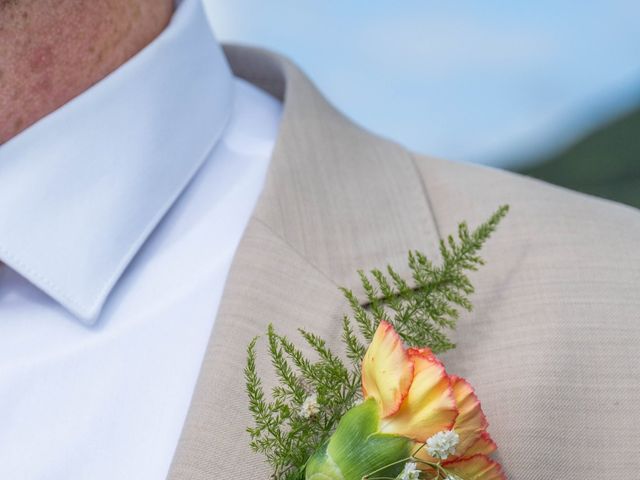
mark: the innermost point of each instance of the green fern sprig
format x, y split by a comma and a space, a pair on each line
286, 430
422, 312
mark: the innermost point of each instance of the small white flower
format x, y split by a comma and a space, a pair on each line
409, 472
310, 407
443, 444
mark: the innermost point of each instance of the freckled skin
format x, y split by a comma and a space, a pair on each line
53, 50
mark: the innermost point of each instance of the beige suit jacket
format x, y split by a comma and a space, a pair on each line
552, 346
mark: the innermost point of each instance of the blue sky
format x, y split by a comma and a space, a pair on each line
485, 81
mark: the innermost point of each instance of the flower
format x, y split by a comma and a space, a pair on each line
421, 401
310, 407
410, 386
471, 457
443, 444
409, 472
410, 402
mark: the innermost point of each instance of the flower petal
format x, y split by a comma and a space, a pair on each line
387, 370
484, 445
471, 421
478, 467
430, 406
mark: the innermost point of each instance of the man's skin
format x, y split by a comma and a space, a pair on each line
53, 50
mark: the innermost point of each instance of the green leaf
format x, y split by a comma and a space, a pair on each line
357, 448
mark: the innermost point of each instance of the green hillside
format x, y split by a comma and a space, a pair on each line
605, 163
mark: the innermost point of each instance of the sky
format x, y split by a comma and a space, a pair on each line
496, 82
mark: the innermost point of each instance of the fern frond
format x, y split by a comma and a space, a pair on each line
422, 313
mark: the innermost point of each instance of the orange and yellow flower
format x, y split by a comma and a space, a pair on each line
417, 399
413, 410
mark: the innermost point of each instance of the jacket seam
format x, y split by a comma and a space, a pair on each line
425, 192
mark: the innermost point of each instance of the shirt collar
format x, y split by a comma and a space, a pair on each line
83, 188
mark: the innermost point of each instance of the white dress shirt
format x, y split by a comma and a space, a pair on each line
119, 217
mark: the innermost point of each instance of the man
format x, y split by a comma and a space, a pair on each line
158, 211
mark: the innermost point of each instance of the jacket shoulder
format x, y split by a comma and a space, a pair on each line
538, 208
552, 342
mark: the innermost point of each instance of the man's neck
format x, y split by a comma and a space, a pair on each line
53, 50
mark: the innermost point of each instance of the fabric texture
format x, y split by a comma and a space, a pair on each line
551, 346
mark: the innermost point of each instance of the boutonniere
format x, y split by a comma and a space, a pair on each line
385, 408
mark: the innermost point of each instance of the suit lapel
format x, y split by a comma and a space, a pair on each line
337, 199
